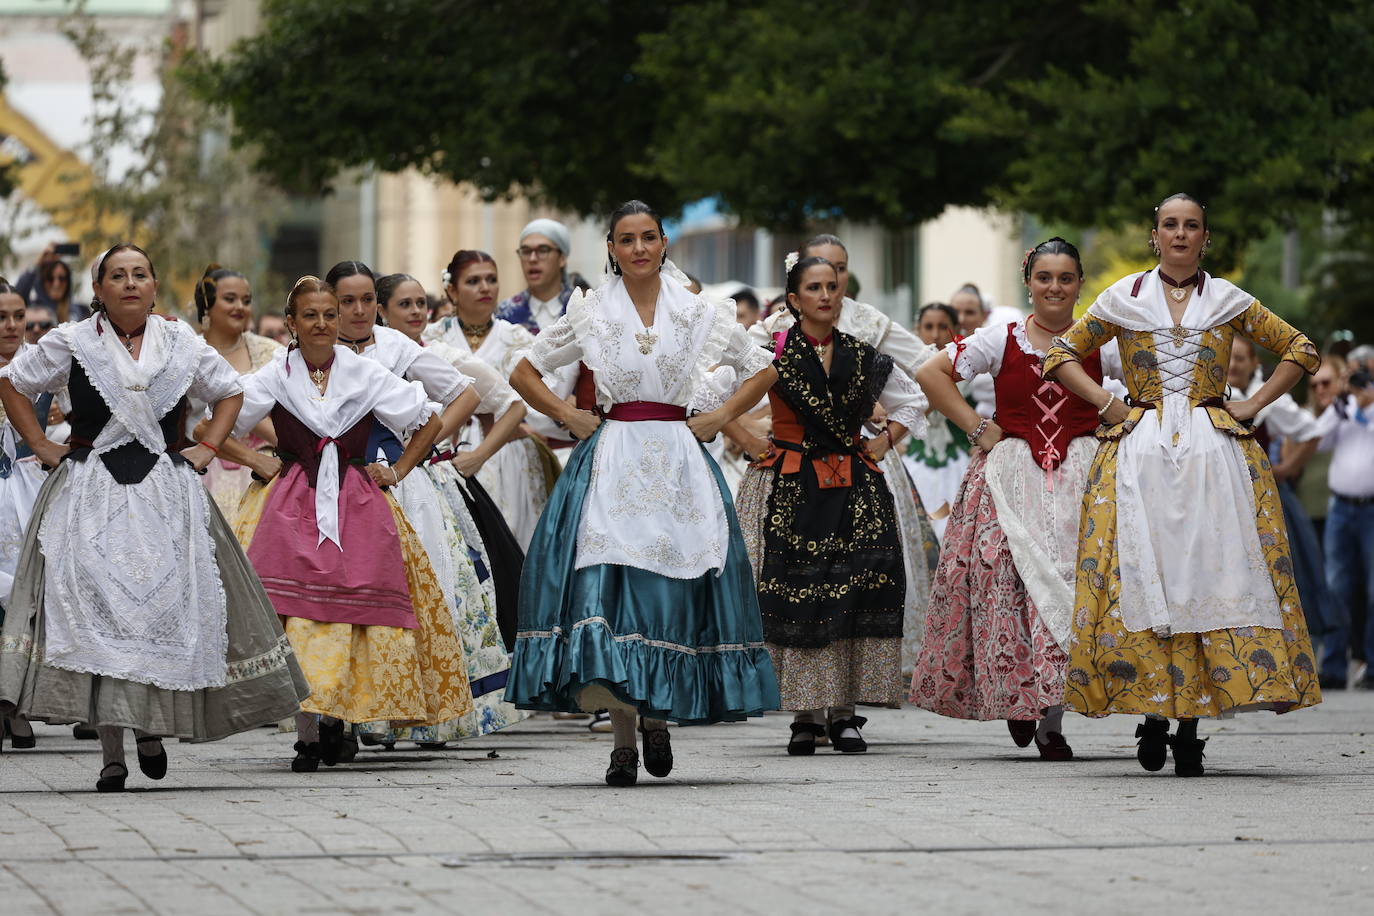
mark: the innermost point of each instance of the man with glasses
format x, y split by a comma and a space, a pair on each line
543, 251
38, 320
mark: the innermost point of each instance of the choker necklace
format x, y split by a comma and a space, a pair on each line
128, 339
820, 345
476, 332
358, 345
1037, 323
1179, 289
317, 372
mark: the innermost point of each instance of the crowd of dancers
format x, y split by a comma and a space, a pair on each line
420, 524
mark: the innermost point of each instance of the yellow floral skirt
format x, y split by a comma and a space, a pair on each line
375, 673
1187, 675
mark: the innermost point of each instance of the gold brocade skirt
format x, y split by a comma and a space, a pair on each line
1186, 675
377, 673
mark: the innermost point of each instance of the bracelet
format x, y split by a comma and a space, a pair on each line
209, 446
766, 450
395, 478
887, 430
1111, 398
979, 430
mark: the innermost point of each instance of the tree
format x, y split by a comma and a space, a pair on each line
514, 97
1259, 108
184, 200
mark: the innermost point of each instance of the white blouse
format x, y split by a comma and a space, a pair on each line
653, 502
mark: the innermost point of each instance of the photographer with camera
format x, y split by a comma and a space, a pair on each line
1347, 430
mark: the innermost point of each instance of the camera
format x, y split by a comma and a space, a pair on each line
1361, 378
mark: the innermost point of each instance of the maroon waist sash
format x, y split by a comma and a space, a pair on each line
635, 411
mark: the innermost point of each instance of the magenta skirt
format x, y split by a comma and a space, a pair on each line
363, 584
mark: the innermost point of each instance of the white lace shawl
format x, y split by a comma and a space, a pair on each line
502, 349
694, 337
357, 386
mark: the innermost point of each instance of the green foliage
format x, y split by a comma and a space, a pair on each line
515, 97
185, 201
1259, 108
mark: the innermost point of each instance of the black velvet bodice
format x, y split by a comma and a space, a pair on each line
131, 462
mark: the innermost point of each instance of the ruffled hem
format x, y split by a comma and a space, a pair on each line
689, 686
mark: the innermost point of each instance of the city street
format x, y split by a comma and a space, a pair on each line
940, 816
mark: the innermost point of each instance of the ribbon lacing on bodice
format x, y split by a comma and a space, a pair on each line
1177, 354
1049, 398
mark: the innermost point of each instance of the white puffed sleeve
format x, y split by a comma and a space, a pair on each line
215, 379
715, 389
442, 381
904, 402
260, 394
400, 404
980, 353
555, 347
42, 367
745, 356
497, 396
905, 348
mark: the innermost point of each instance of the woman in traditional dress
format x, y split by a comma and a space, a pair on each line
21, 476
1185, 605
363, 608
819, 523
521, 474
436, 503
224, 306
920, 549
937, 460
637, 595
1003, 596
132, 606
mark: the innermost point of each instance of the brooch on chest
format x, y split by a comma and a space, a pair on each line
646, 341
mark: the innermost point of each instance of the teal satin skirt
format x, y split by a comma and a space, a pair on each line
687, 650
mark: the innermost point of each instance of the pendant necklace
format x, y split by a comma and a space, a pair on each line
358, 345
127, 339
476, 333
820, 346
646, 341
1178, 289
317, 373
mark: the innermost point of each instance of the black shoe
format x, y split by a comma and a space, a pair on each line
84, 732
348, 749
1022, 731
1364, 683
153, 766
658, 751
367, 739
804, 735
1328, 682
1188, 755
331, 742
113, 782
624, 768
20, 742
848, 745
1152, 750
307, 757
432, 745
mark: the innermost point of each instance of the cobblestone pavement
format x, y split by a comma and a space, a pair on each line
940, 815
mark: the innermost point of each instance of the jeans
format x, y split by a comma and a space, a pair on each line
1349, 543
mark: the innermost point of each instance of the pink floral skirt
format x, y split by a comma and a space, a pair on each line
986, 654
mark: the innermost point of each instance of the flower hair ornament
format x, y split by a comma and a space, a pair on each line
790, 262
446, 278
1025, 266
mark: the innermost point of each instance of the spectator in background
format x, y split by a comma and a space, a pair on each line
543, 252
1362, 357
1347, 427
38, 320
49, 283
577, 281
976, 312
746, 307
439, 307
936, 324
273, 326
1322, 389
